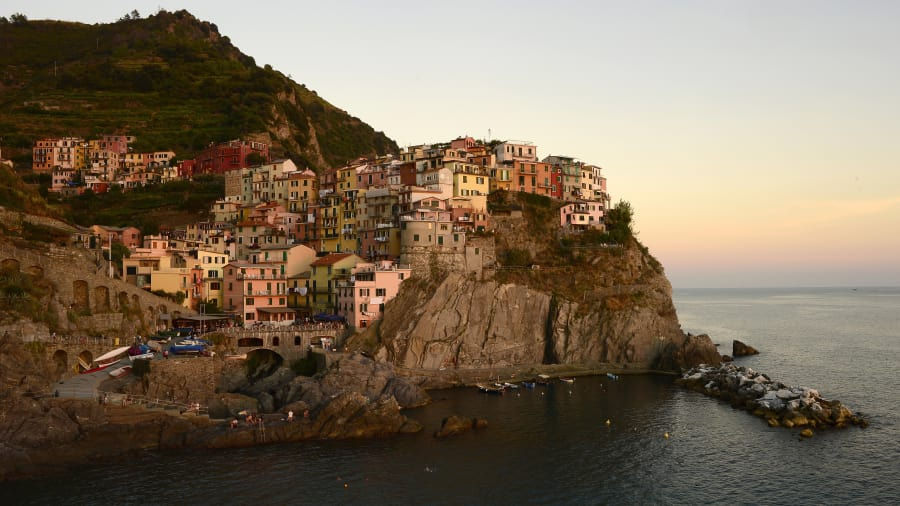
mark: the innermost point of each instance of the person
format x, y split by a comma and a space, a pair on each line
306, 413
166, 354
290, 416
234, 423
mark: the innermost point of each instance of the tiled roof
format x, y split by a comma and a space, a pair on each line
331, 258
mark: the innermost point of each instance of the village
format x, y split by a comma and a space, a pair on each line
285, 244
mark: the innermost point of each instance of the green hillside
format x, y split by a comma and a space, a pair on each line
171, 80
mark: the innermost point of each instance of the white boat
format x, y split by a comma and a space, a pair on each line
117, 373
111, 357
612, 376
567, 380
145, 356
512, 386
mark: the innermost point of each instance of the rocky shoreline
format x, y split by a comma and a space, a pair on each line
779, 404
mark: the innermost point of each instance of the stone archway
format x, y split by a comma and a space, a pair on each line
276, 341
262, 362
81, 295
61, 362
85, 358
101, 299
298, 341
122, 300
9, 265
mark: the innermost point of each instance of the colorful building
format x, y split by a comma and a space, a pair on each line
362, 297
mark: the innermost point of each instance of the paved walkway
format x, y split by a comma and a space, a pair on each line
84, 386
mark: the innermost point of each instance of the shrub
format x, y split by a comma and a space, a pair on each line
304, 366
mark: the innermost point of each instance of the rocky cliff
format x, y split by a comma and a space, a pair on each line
593, 305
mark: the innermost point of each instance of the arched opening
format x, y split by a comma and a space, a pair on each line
61, 362
262, 363
298, 341
101, 299
84, 360
248, 342
276, 341
82, 298
9, 265
123, 301
36, 271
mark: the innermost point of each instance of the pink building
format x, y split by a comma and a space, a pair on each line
361, 299
128, 236
582, 215
257, 292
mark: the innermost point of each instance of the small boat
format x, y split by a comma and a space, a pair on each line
186, 348
143, 356
488, 389
512, 386
195, 342
542, 379
108, 359
567, 380
528, 384
612, 376
122, 371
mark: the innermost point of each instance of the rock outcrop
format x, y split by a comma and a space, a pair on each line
777, 403
453, 425
739, 349
457, 321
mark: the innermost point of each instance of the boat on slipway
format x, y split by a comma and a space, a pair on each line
107, 359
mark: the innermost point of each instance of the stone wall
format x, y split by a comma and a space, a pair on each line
183, 380
477, 257
85, 300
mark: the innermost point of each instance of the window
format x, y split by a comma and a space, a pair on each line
131, 270
363, 308
281, 301
214, 286
248, 316
416, 237
248, 302
380, 292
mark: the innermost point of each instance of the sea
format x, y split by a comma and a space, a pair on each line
553, 445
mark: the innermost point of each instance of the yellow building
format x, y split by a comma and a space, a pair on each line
326, 271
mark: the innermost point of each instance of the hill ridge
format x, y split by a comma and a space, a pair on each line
170, 79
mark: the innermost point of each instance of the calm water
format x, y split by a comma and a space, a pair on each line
556, 448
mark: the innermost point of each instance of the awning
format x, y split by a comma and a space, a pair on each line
376, 300
275, 310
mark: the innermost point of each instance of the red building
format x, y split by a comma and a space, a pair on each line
225, 156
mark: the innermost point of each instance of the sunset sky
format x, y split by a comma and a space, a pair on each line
759, 142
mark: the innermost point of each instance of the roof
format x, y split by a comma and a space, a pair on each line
331, 258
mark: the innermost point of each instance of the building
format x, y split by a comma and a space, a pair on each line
326, 272
582, 215
130, 237
257, 292
362, 297
515, 151
63, 152
230, 155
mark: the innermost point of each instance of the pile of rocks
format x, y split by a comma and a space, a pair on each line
777, 403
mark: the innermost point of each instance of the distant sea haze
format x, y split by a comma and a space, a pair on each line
552, 445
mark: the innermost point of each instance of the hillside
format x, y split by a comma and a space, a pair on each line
171, 80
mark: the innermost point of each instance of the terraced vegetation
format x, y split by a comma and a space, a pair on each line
171, 80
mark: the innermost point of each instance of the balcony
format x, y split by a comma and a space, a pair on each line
261, 276
382, 239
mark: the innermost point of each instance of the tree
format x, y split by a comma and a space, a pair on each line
618, 222
135, 14
119, 251
18, 18
255, 158
3, 20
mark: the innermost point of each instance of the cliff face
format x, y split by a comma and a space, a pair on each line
617, 311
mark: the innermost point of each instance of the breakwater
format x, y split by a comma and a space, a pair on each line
779, 404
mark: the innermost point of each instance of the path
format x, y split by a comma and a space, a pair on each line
84, 386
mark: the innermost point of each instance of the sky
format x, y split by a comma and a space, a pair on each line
758, 141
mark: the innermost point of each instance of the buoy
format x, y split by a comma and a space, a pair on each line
666, 435
608, 422
346, 486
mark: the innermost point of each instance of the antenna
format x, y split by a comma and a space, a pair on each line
489, 135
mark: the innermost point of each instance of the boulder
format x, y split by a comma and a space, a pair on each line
727, 358
739, 349
807, 433
358, 373
453, 425
229, 405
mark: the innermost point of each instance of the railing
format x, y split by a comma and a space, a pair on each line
122, 399
261, 276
